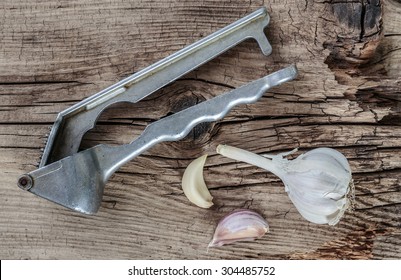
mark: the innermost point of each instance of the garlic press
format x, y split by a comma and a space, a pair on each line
76, 180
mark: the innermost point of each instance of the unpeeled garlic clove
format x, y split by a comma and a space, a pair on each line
194, 186
239, 225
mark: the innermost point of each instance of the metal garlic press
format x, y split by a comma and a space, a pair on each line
76, 180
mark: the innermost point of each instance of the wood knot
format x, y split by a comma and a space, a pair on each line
357, 33
200, 133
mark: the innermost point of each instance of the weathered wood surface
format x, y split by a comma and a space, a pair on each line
347, 96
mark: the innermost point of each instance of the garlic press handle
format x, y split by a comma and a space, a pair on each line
177, 126
72, 123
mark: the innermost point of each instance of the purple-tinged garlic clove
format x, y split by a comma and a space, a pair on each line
239, 225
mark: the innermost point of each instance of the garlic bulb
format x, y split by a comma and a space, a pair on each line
317, 182
193, 184
239, 225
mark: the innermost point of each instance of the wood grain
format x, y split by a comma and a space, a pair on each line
347, 96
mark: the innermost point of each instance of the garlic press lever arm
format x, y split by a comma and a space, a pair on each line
177, 126
78, 181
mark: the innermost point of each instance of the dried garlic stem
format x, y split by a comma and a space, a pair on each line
249, 157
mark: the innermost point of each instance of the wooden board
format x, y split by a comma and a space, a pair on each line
347, 96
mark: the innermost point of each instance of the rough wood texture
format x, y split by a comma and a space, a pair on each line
347, 96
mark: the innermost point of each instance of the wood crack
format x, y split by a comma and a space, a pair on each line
207, 82
42, 83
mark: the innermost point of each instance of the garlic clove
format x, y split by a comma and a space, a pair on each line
318, 210
328, 154
194, 186
239, 225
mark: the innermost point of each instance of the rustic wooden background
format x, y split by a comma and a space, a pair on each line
347, 96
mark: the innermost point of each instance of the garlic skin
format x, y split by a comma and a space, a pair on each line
194, 186
317, 182
239, 225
